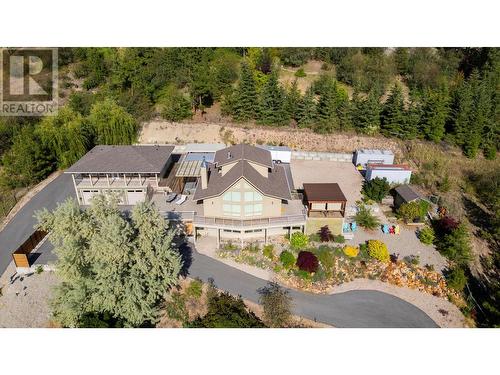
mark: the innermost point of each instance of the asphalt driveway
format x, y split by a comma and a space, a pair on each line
350, 309
21, 226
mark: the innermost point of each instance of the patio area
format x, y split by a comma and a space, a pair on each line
188, 206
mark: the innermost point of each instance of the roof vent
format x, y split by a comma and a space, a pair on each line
229, 155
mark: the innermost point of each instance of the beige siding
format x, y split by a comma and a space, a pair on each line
214, 207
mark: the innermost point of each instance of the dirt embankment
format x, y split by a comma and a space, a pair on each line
161, 131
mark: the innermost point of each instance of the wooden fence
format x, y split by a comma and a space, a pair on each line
21, 254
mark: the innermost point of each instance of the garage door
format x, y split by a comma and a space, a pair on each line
135, 196
87, 195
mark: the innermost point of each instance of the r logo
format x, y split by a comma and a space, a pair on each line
28, 82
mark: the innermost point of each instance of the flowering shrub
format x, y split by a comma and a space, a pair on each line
447, 224
378, 250
287, 259
307, 261
351, 251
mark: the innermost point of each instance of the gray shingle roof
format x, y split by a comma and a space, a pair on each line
276, 185
243, 152
407, 193
123, 159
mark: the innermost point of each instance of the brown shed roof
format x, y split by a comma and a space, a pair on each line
243, 152
324, 192
407, 193
123, 159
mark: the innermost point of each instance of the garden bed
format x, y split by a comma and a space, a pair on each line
337, 264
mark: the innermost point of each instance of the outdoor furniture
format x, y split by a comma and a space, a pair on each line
385, 229
181, 199
397, 230
354, 226
346, 228
391, 230
170, 197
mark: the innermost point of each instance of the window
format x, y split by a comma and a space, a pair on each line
232, 196
253, 209
231, 210
252, 196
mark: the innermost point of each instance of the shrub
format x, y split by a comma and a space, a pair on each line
339, 239
365, 218
325, 234
39, 270
363, 251
455, 245
412, 259
176, 307
409, 211
252, 248
378, 250
195, 289
314, 237
277, 305
287, 259
456, 278
268, 251
351, 251
304, 275
307, 261
426, 235
300, 73
447, 224
326, 259
376, 189
298, 241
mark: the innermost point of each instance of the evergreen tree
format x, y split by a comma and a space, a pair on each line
366, 113
110, 263
245, 100
306, 114
413, 117
174, 106
462, 112
326, 110
481, 120
272, 103
293, 98
393, 114
435, 113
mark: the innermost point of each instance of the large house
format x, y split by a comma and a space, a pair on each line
233, 193
246, 195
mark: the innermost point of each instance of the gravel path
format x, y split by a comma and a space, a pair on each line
24, 303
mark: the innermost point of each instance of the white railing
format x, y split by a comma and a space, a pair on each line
271, 221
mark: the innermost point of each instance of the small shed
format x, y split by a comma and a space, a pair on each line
324, 200
364, 157
280, 154
405, 194
393, 173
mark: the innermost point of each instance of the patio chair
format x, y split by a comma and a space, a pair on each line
397, 230
170, 197
346, 228
181, 199
385, 229
354, 226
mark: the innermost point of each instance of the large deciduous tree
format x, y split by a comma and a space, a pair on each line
110, 264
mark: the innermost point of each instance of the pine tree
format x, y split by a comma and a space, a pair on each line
413, 117
293, 98
366, 113
245, 98
435, 114
393, 114
306, 114
326, 110
462, 112
272, 103
481, 119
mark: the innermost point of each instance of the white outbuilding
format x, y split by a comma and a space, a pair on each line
364, 157
394, 173
280, 154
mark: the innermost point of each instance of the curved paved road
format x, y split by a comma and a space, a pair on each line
350, 309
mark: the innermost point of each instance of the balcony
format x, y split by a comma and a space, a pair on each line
288, 220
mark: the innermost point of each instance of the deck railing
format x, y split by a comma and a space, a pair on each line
271, 221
